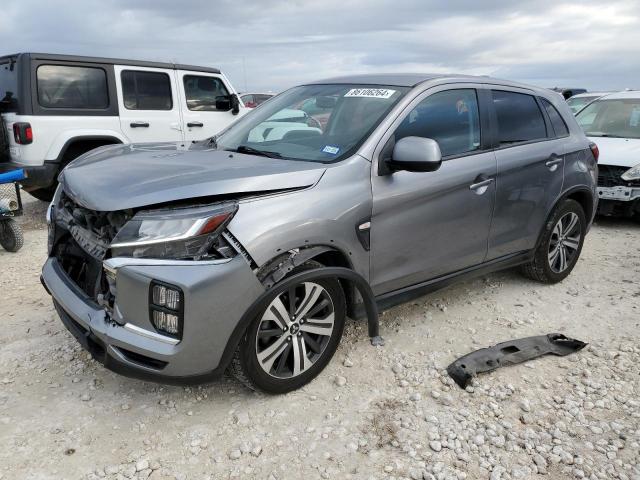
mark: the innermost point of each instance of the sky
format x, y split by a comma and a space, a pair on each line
270, 45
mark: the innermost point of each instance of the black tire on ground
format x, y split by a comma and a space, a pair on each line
45, 194
540, 267
245, 365
11, 237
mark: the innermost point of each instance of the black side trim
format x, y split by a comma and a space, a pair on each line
390, 299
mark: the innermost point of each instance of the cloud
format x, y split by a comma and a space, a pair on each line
273, 44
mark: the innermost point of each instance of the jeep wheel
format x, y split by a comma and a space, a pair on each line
560, 246
294, 338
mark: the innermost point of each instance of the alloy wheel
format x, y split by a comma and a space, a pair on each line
294, 330
564, 242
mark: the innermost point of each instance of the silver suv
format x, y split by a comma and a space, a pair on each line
175, 262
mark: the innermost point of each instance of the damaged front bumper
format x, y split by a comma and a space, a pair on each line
216, 296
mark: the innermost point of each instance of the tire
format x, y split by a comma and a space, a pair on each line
11, 237
45, 194
318, 349
559, 240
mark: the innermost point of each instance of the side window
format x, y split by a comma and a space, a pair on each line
201, 92
61, 86
450, 118
146, 90
519, 117
557, 122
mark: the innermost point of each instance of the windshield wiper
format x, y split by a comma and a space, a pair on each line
255, 151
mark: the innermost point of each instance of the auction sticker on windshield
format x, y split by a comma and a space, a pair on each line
370, 92
331, 149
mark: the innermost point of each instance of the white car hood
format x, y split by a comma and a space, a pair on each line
623, 152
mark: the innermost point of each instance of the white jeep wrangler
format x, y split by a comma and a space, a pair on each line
54, 108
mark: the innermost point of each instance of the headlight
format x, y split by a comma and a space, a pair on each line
632, 174
178, 233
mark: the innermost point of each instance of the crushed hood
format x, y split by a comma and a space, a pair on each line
623, 152
132, 176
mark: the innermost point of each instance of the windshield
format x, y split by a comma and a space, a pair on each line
318, 123
576, 103
611, 118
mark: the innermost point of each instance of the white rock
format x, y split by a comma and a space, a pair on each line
435, 445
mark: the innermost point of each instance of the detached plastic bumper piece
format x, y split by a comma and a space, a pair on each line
511, 353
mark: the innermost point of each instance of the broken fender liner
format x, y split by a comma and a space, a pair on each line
511, 353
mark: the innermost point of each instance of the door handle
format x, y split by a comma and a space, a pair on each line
195, 124
553, 162
478, 185
139, 124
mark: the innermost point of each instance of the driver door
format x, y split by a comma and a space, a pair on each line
428, 224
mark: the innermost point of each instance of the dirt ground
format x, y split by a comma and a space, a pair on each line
374, 413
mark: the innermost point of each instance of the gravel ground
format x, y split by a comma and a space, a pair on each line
375, 413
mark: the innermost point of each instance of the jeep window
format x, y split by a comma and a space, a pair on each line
611, 118
451, 118
319, 123
8, 85
61, 86
519, 118
557, 122
201, 92
146, 90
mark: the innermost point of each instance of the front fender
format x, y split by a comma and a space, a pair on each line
326, 214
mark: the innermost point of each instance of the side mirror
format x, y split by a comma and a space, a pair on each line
415, 154
228, 102
223, 103
235, 104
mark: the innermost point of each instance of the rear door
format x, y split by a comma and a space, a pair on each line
530, 159
149, 104
202, 115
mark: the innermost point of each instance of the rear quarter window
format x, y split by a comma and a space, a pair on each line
61, 86
8, 86
557, 122
519, 118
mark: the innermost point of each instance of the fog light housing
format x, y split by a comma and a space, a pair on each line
167, 322
166, 306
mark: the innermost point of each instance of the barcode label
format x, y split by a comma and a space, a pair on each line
370, 92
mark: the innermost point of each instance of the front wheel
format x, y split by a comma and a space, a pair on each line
561, 244
291, 341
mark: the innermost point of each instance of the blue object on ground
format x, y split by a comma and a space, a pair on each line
12, 176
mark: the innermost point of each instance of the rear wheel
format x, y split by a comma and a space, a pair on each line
11, 237
292, 340
560, 246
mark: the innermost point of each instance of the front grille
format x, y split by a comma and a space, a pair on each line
610, 176
83, 269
